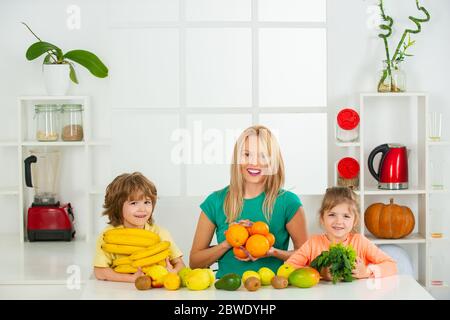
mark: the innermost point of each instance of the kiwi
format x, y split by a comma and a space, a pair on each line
279, 282
252, 284
143, 283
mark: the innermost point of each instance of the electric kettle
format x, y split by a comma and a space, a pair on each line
393, 168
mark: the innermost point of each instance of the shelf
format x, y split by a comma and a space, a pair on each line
54, 143
411, 239
393, 94
376, 191
439, 191
348, 144
438, 143
32, 98
9, 191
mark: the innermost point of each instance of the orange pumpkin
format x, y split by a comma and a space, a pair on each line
389, 221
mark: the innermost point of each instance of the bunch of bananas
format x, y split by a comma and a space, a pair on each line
138, 247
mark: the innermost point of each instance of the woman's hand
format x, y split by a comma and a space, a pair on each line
251, 258
360, 271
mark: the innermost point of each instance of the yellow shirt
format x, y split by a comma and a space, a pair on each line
103, 259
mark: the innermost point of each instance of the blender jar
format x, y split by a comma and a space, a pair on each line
47, 124
72, 122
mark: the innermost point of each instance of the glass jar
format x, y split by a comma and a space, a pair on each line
384, 80
47, 122
347, 125
72, 122
348, 173
398, 79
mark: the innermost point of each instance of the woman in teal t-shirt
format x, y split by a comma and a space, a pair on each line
255, 194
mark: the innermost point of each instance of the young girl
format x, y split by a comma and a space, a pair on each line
255, 194
339, 214
129, 203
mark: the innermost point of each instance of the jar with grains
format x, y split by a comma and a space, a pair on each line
72, 122
47, 122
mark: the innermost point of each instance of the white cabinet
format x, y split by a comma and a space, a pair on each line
77, 184
402, 118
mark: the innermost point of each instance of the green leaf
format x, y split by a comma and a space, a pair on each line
88, 60
39, 48
72, 74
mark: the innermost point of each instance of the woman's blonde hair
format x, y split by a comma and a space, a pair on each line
127, 187
260, 138
337, 195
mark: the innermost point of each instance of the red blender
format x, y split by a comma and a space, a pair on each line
47, 219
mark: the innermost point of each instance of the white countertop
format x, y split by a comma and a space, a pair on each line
390, 288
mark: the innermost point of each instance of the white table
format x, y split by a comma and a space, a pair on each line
395, 287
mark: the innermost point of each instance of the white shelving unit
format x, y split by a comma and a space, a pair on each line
79, 149
409, 127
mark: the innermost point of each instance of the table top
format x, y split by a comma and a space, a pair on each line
399, 287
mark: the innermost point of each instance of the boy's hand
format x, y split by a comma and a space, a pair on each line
138, 274
360, 271
169, 266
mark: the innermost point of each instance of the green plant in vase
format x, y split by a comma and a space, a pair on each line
392, 79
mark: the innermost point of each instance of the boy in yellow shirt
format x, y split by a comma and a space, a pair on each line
129, 203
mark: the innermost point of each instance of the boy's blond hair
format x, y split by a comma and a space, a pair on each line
337, 195
127, 187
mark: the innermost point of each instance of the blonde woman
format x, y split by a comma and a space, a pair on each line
255, 194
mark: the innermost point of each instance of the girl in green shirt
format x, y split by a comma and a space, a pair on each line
255, 194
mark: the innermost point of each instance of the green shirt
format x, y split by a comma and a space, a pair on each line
286, 205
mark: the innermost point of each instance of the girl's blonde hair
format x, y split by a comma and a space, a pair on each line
260, 138
337, 195
127, 187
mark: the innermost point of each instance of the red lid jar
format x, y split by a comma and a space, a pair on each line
347, 125
348, 173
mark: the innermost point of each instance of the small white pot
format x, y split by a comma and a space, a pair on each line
56, 77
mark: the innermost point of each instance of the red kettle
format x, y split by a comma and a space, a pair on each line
393, 168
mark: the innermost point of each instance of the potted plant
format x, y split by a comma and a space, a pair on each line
58, 67
392, 78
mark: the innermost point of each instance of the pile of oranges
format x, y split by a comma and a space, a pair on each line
256, 239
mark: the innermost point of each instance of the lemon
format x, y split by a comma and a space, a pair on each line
266, 275
285, 270
198, 279
250, 273
212, 277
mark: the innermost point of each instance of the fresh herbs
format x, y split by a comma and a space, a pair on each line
341, 260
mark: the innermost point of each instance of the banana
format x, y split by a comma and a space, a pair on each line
120, 249
129, 240
161, 263
150, 251
122, 261
125, 268
151, 260
134, 232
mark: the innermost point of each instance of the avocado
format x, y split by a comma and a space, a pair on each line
230, 282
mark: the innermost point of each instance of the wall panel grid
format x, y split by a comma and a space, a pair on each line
201, 72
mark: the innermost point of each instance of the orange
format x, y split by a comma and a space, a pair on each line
271, 239
257, 245
238, 252
236, 235
249, 229
260, 227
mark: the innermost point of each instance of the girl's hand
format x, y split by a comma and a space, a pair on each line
325, 274
245, 223
360, 271
169, 266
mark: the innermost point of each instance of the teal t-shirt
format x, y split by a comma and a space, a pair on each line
286, 205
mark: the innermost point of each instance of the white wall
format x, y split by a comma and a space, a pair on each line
354, 53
